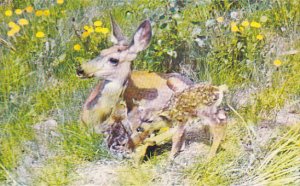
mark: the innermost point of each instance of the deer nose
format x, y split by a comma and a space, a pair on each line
79, 72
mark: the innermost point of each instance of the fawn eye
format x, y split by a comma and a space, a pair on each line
148, 120
114, 61
140, 129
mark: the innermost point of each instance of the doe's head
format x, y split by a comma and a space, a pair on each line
114, 63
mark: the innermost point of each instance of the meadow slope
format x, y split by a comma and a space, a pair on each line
252, 46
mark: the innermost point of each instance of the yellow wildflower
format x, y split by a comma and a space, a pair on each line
101, 30
105, 30
277, 63
10, 33
46, 12
245, 23
8, 13
260, 37
40, 34
85, 34
39, 13
12, 24
86, 27
98, 29
98, 23
18, 11
60, 2
234, 27
23, 22
16, 29
90, 30
29, 9
241, 29
220, 19
255, 24
77, 47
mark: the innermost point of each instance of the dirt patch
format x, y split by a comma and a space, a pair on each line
103, 172
37, 152
289, 115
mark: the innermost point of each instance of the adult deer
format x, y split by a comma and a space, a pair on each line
152, 91
113, 66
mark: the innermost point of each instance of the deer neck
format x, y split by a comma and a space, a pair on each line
106, 93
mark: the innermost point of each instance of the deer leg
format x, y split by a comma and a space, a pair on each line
207, 132
140, 152
139, 137
161, 138
155, 140
218, 133
178, 140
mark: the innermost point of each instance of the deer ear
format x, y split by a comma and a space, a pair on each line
142, 37
117, 36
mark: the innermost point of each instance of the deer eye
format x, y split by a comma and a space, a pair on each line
114, 61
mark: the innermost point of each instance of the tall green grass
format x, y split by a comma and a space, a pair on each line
280, 164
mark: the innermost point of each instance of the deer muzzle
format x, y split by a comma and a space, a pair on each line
82, 74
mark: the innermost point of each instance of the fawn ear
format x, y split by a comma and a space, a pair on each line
142, 37
117, 36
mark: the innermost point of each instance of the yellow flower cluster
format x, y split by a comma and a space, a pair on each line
101, 30
255, 24
235, 28
40, 13
95, 28
18, 11
14, 28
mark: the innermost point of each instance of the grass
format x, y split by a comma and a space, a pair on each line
38, 82
280, 163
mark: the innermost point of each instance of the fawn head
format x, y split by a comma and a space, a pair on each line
114, 63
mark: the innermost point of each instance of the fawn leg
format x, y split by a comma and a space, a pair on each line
139, 137
218, 133
161, 138
156, 140
140, 152
177, 141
